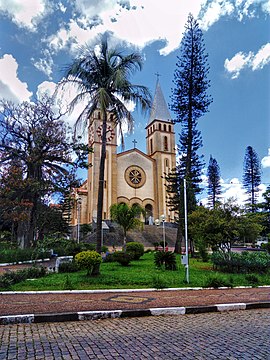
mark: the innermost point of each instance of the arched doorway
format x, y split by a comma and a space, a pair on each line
149, 220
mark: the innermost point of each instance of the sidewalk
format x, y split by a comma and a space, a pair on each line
16, 307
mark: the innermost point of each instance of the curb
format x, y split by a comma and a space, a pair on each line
112, 314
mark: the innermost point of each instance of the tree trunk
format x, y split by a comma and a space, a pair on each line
179, 237
101, 183
125, 242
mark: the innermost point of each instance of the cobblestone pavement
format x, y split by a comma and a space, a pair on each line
229, 336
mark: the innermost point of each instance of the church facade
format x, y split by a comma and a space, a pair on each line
132, 176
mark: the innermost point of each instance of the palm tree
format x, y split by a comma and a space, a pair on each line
127, 217
102, 79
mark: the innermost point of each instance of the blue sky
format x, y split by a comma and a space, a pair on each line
39, 37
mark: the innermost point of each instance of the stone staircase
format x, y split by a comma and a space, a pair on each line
149, 235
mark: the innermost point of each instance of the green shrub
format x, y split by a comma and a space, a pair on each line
123, 258
68, 267
166, 259
162, 244
252, 279
20, 255
247, 262
159, 283
35, 272
266, 247
202, 248
89, 260
215, 281
15, 277
109, 258
68, 284
135, 249
104, 249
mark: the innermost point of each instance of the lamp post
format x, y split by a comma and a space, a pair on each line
79, 202
186, 231
162, 218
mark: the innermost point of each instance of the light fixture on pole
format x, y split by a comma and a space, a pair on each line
162, 218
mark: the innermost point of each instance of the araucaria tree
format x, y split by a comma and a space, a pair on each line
252, 176
34, 155
190, 101
101, 77
214, 187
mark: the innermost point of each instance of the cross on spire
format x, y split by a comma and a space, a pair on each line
157, 75
134, 142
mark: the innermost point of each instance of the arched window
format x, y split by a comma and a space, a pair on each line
159, 127
165, 143
170, 128
98, 115
166, 163
151, 146
164, 128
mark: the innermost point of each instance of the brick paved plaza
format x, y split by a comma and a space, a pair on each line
231, 335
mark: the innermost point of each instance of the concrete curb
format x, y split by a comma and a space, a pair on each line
104, 291
112, 314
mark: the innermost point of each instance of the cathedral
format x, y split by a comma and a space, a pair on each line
132, 176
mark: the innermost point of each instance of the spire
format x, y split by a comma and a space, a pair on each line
159, 109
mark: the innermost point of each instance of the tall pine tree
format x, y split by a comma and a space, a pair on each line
190, 101
251, 176
214, 187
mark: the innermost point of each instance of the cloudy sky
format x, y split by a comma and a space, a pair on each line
39, 37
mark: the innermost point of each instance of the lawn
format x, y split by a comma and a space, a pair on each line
140, 274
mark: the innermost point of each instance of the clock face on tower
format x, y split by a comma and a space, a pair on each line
109, 132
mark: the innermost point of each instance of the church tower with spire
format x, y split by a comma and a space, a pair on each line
131, 176
160, 142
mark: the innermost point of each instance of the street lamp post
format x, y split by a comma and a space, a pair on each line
79, 202
162, 218
186, 231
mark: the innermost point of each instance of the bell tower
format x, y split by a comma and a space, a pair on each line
160, 143
110, 175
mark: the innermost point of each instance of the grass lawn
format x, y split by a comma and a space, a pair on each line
140, 274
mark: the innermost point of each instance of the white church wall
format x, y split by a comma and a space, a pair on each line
135, 158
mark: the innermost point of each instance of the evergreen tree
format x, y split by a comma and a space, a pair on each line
251, 176
214, 187
190, 101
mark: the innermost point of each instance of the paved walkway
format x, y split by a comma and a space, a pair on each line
136, 302
242, 335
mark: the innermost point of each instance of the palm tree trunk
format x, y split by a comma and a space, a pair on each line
101, 183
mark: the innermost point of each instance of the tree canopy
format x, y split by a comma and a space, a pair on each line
35, 158
101, 76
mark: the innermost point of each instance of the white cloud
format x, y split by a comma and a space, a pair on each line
266, 160
234, 189
63, 99
24, 13
138, 23
237, 63
45, 64
214, 11
262, 57
253, 61
11, 86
